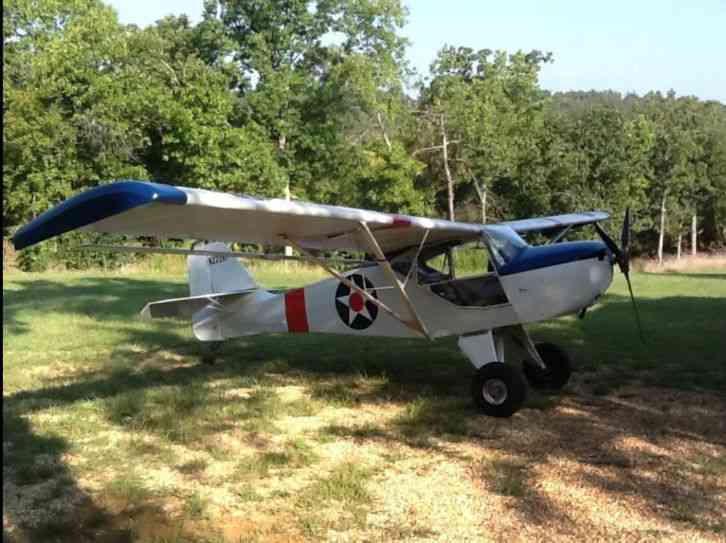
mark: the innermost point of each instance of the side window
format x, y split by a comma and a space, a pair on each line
469, 259
434, 266
468, 282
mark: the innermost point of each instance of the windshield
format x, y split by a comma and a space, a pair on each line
504, 243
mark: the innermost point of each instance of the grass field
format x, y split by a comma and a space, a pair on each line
113, 431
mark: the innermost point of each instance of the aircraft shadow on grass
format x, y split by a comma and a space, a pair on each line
436, 376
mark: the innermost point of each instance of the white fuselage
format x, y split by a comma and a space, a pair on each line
329, 307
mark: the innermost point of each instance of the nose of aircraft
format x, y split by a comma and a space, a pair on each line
543, 256
601, 273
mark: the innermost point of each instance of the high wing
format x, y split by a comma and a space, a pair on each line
556, 222
139, 208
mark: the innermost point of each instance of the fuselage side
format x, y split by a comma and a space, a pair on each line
328, 306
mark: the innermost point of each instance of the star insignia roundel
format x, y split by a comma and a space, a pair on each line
354, 310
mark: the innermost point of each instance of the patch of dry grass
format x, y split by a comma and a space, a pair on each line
124, 442
643, 466
686, 263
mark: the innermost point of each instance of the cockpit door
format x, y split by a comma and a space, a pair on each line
505, 246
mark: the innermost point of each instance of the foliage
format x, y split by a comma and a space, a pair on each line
265, 97
65, 252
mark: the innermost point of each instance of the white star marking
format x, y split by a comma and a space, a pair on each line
352, 313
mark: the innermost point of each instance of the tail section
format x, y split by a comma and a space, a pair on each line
214, 275
217, 274
217, 284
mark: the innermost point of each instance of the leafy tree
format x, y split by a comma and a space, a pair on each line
481, 107
57, 138
264, 96
308, 64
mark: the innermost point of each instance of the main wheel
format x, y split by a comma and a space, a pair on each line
557, 372
209, 352
498, 389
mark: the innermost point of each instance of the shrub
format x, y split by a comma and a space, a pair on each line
65, 252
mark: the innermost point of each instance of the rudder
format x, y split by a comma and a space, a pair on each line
216, 274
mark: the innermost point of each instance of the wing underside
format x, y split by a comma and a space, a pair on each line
138, 208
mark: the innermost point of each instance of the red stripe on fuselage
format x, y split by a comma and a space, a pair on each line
297, 318
398, 222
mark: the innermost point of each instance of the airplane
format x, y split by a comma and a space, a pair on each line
406, 286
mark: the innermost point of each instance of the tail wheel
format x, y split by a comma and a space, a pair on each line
557, 372
498, 389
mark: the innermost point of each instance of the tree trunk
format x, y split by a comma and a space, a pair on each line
281, 144
482, 193
449, 188
661, 233
694, 235
447, 170
383, 129
678, 247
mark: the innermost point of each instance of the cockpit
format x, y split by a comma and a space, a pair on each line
464, 273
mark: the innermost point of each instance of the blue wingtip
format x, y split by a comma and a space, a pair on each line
95, 205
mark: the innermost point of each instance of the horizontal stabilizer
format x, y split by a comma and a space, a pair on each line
180, 308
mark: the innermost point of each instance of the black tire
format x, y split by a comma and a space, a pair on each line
498, 389
558, 370
210, 351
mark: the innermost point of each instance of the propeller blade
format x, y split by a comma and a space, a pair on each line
625, 235
609, 242
625, 243
635, 308
622, 256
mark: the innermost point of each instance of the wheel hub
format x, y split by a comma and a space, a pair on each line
494, 391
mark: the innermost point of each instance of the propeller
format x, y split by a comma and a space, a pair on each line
622, 257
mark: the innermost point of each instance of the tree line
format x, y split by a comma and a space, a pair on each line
315, 100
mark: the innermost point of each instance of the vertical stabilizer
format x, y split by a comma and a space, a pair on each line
217, 274
214, 275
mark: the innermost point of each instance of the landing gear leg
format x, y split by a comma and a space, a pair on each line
496, 388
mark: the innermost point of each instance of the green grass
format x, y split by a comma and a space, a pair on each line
195, 506
684, 318
506, 477
346, 484
345, 487
84, 378
426, 416
130, 490
295, 454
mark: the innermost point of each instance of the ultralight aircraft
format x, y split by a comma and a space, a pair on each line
406, 286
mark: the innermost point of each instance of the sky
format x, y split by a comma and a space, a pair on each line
624, 45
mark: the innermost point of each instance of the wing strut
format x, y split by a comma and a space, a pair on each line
236, 254
415, 323
414, 267
350, 284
